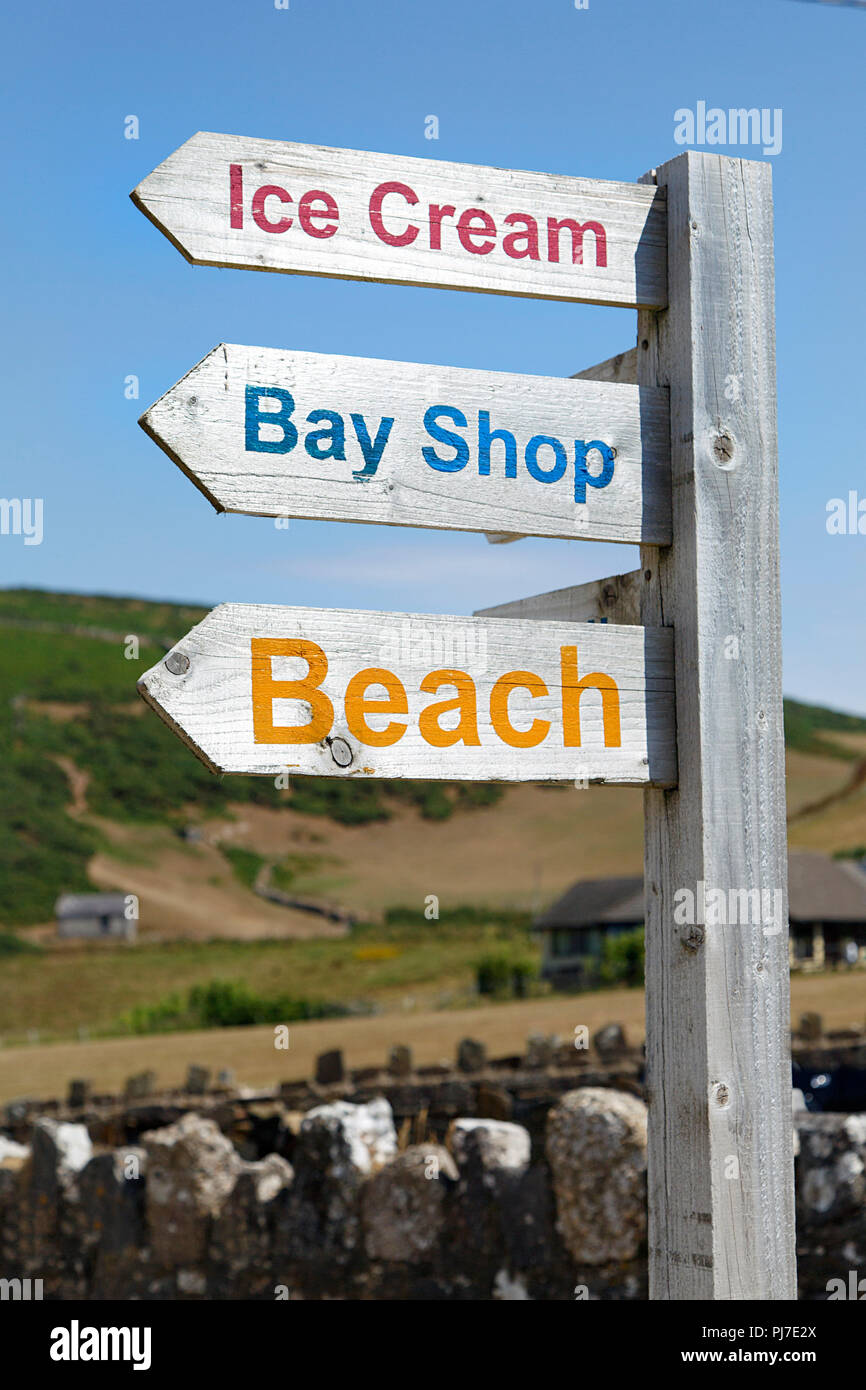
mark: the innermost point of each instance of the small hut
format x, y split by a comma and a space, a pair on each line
94, 916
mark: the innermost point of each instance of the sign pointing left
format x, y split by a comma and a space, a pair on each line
340, 693
267, 432
274, 205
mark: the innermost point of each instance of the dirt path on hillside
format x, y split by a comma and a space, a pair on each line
854, 783
78, 784
194, 896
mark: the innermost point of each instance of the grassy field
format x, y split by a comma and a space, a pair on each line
63, 990
45, 1071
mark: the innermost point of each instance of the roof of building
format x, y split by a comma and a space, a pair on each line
90, 905
820, 889
595, 901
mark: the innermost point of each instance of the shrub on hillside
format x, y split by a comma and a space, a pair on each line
224, 1004
503, 974
622, 960
245, 863
12, 945
461, 915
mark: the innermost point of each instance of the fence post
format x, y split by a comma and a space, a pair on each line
721, 1201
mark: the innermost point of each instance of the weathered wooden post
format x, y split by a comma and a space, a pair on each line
696, 487
718, 1042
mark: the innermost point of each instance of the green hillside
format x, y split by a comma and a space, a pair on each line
67, 692
68, 705
807, 728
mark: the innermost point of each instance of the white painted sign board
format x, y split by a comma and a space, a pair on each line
227, 200
301, 434
263, 689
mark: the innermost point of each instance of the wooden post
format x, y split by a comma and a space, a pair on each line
613, 600
721, 1208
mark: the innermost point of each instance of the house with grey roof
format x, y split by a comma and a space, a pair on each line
827, 918
95, 916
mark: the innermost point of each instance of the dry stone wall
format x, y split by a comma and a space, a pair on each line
345, 1206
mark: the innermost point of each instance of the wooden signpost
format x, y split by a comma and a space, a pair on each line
671, 445
263, 689
302, 434
721, 1168
273, 205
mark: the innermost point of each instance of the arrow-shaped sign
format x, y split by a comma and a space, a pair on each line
337, 693
272, 205
273, 433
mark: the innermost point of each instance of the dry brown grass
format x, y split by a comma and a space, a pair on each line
520, 854
46, 1071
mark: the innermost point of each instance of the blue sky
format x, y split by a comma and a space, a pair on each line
94, 293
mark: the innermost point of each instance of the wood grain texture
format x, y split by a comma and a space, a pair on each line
210, 703
719, 1067
613, 600
622, 369
188, 198
200, 423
